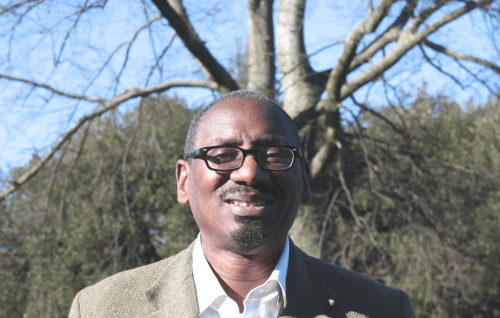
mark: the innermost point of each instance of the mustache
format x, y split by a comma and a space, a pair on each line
248, 189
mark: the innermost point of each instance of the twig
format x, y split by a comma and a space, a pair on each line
52, 89
461, 56
129, 47
105, 106
428, 59
325, 221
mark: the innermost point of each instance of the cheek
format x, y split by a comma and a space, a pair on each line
204, 185
201, 180
290, 186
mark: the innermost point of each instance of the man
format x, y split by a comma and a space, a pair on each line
244, 177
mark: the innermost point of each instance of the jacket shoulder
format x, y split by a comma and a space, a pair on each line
124, 292
357, 293
350, 281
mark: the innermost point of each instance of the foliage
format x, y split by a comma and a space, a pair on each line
106, 204
418, 208
414, 205
388, 192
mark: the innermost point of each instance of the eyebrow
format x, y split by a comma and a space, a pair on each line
266, 140
224, 142
269, 140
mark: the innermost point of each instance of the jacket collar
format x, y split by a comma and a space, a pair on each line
173, 293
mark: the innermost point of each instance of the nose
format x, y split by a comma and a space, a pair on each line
250, 172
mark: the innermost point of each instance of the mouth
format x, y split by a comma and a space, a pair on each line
243, 205
248, 204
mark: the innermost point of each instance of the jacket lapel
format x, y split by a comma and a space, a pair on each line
307, 293
173, 294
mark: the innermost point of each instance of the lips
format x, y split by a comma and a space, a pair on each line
248, 205
247, 200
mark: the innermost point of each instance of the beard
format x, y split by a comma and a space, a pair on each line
252, 233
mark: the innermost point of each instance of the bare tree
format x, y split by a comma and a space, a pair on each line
385, 33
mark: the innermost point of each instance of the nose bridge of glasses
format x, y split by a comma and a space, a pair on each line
253, 153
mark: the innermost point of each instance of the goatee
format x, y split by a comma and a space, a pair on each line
252, 233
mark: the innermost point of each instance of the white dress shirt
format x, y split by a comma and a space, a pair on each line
265, 301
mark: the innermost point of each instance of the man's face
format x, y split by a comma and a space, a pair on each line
250, 209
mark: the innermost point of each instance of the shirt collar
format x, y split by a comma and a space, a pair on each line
208, 287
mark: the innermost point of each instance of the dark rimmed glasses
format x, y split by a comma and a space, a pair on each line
227, 158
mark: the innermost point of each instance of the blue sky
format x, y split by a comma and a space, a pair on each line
32, 120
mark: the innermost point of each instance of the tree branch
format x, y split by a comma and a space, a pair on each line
178, 19
331, 206
407, 40
426, 13
477, 78
158, 59
388, 36
429, 60
129, 47
105, 106
338, 90
466, 8
339, 73
68, 33
52, 89
369, 7
19, 20
335, 82
300, 92
378, 115
461, 56
261, 67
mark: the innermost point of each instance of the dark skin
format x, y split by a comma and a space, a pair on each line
222, 202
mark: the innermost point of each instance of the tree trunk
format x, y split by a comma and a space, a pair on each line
261, 68
299, 94
305, 231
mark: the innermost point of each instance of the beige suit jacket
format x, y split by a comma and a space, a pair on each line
314, 289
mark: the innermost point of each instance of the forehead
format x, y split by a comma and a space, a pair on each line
237, 121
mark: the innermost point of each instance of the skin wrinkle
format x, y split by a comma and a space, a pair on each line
243, 250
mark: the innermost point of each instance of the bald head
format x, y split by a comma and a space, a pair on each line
242, 95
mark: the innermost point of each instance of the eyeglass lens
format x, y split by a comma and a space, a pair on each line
271, 158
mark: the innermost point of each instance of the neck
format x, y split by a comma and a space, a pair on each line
239, 274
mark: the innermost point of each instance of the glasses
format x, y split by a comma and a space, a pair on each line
225, 158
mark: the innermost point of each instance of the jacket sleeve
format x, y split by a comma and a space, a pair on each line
74, 312
406, 306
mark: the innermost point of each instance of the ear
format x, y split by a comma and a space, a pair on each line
306, 187
182, 176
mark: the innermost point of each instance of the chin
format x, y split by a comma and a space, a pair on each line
251, 234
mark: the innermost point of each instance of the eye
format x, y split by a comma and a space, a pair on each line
222, 155
276, 155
